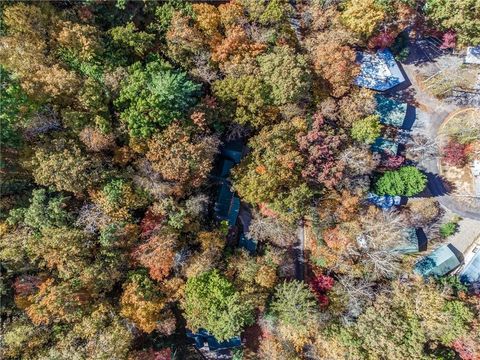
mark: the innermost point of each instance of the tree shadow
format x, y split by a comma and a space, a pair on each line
436, 186
424, 51
410, 117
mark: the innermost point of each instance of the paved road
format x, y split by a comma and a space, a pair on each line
430, 114
464, 239
300, 254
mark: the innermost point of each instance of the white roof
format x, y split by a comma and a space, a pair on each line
476, 167
378, 71
473, 55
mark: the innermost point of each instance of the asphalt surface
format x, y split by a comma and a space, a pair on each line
430, 115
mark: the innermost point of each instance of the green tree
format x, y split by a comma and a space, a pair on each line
273, 168
287, 75
406, 181
103, 333
461, 16
154, 95
367, 129
211, 302
294, 307
45, 210
15, 108
249, 96
400, 324
64, 249
128, 35
119, 198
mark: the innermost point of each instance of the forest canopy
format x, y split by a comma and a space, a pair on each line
172, 170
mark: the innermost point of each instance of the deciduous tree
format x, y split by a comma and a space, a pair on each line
321, 147
211, 302
273, 168
462, 16
182, 156
151, 97
366, 130
142, 302
157, 255
63, 165
295, 309
363, 16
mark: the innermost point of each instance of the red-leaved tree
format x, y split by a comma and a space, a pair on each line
454, 154
382, 40
449, 40
320, 285
392, 162
321, 146
157, 255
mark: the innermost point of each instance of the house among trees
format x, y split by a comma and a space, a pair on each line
470, 274
440, 262
210, 347
392, 112
415, 241
227, 204
378, 71
473, 55
385, 146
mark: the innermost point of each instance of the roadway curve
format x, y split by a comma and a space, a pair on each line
430, 116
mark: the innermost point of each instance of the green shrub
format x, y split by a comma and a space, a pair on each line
407, 181
448, 229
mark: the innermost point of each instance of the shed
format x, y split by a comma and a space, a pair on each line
414, 241
473, 55
378, 71
386, 146
392, 112
440, 262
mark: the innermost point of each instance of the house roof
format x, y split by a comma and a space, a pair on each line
471, 273
202, 337
414, 241
227, 205
391, 112
384, 145
378, 71
440, 262
247, 243
232, 150
473, 55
